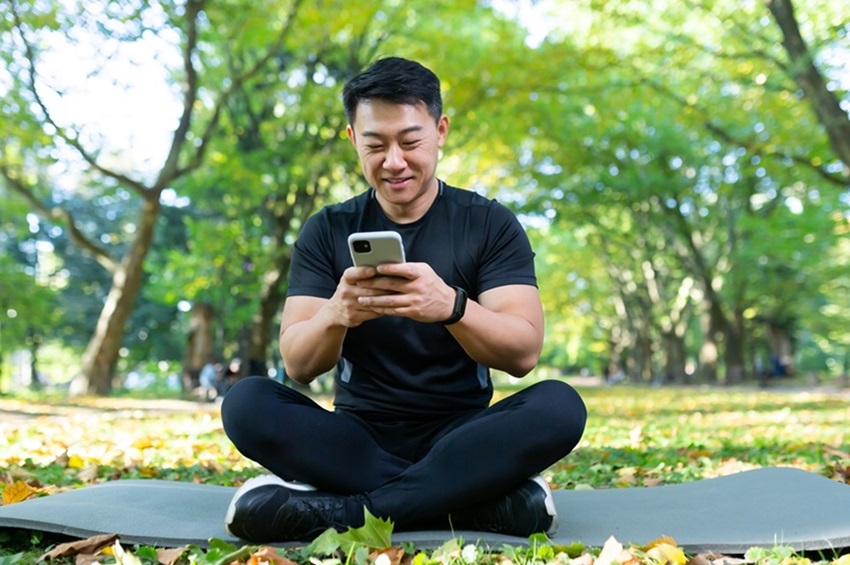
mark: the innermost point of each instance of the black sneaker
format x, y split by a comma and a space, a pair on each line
268, 509
529, 509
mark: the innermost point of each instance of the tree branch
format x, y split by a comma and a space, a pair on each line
59, 214
69, 138
749, 145
826, 105
235, 83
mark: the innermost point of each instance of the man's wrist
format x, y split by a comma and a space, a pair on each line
459, 308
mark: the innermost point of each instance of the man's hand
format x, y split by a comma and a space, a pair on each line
410, 290
347, 303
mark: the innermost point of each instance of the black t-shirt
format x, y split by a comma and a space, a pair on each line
397, 368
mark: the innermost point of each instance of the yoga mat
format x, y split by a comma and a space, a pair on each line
730, 514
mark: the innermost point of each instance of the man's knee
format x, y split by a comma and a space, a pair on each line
562, 409
241, 402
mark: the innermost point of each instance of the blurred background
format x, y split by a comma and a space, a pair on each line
682, 168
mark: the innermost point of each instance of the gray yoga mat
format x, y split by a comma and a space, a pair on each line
764, 507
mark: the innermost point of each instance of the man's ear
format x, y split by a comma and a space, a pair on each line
351, 137
442, 130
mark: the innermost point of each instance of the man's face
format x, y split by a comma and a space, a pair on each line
398, 146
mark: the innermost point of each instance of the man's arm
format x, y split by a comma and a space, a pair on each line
503, 330
312, 329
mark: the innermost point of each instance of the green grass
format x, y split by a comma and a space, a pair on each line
635, 437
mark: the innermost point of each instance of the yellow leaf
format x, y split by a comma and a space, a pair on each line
663, 540
17, 492
142, 443
666, 554
76, 462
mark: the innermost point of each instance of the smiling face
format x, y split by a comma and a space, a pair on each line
398, 146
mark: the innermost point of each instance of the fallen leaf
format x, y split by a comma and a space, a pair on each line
122, 557
614, 552
76, 462
394, 555
666, 554
583, 559
664, 540
836, 452
89, 474
81, 559
88, 546
266, 555
62, 460
700, 559
841, 473
17, 492
170, 556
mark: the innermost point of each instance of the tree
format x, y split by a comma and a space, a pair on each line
193, 22
803, 69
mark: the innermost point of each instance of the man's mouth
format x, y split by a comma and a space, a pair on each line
397, 182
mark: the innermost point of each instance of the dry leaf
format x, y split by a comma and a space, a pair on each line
88, 559
841, 473
268, 556
62, 460
836, 452
89, 474
170, 556
583, 559
89, 546
393, 555
700, 559
613, 552
17, 492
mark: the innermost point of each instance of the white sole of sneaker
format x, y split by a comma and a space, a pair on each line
549, 501
257, 482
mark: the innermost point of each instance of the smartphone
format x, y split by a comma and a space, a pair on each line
375, 247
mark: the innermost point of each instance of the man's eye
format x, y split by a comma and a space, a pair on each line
412, 143
374, 147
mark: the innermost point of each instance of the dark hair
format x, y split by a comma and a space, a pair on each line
396, 80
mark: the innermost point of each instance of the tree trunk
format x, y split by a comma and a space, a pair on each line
102, 351
674, 358
826, 105
708, 356
271, 298
734, 349
35, 381
199, 346
780, 337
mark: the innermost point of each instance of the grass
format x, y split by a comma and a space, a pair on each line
635, 437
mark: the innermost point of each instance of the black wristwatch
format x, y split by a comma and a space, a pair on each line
460, 307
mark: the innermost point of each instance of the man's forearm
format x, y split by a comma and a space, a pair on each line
311, 348
502, 341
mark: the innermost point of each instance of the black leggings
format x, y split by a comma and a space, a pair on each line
450, 466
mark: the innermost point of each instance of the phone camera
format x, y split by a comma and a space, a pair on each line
362, 246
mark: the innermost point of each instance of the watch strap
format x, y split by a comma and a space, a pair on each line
461, 297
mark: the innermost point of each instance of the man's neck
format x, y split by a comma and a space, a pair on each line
411, 211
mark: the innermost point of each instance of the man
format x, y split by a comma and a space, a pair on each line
412, 437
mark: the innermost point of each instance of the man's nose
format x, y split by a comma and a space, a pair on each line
395, 158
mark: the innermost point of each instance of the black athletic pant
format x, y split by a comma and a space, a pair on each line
415, 473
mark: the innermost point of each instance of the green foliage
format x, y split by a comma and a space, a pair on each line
375, 533
678, 187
